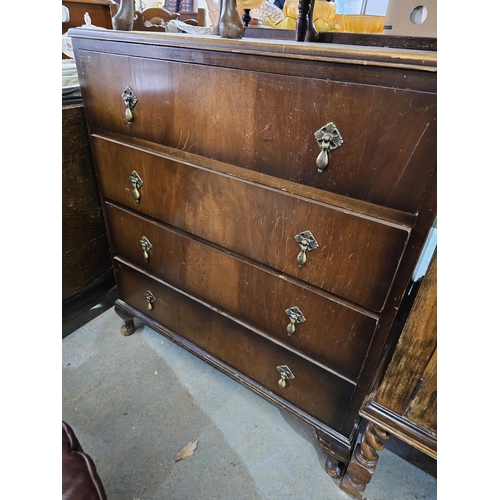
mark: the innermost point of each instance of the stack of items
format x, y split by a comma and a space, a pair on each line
69, 76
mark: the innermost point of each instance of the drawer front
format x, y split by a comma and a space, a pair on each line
314, 390
356, 257
389, 135
332, 333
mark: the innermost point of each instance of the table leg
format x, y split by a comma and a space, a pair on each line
363, 461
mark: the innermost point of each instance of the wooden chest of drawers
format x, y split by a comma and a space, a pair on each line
266, 204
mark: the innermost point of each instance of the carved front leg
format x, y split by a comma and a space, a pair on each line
363, 462
128, 328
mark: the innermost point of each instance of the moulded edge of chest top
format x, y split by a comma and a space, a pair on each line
398, 68
425, 60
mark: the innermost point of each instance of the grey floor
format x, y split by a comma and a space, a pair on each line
135, 401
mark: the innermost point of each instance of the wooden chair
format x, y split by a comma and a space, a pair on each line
193, 18
153, 19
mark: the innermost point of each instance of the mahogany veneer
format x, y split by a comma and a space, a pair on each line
206, 244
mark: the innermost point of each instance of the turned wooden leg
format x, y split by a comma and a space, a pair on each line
128, 328
363, 462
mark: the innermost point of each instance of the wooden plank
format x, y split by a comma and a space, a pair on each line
415, 347
423, 408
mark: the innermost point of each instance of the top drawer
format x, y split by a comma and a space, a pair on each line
389, 135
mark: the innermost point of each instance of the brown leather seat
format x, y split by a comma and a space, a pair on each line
80, 480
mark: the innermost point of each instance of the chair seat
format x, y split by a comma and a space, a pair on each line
80, 480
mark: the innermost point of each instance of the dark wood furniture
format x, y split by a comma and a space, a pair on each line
156, 18
153, 19
193, 18
404, 401
86, 260
186, 11
100, 11
218, 162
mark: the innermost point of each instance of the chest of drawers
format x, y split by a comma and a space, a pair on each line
266, 204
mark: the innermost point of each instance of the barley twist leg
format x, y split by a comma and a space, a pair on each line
363, 461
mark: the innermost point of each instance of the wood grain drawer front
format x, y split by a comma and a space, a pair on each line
333, 334
357, 256
313, 389
389, 135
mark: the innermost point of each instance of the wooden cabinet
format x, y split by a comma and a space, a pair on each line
100, 12
266, 204
404, 401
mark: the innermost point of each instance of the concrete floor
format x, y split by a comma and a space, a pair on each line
135, 401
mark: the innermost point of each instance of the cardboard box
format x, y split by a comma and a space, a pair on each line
404, 18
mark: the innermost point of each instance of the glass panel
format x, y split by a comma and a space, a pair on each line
349, 6
369, 7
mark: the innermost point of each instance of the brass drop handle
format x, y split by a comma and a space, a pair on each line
285, 374
150, 299
328, 139
295, 316
304, 247
130, 100
146, 247
137, 183
307, 242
